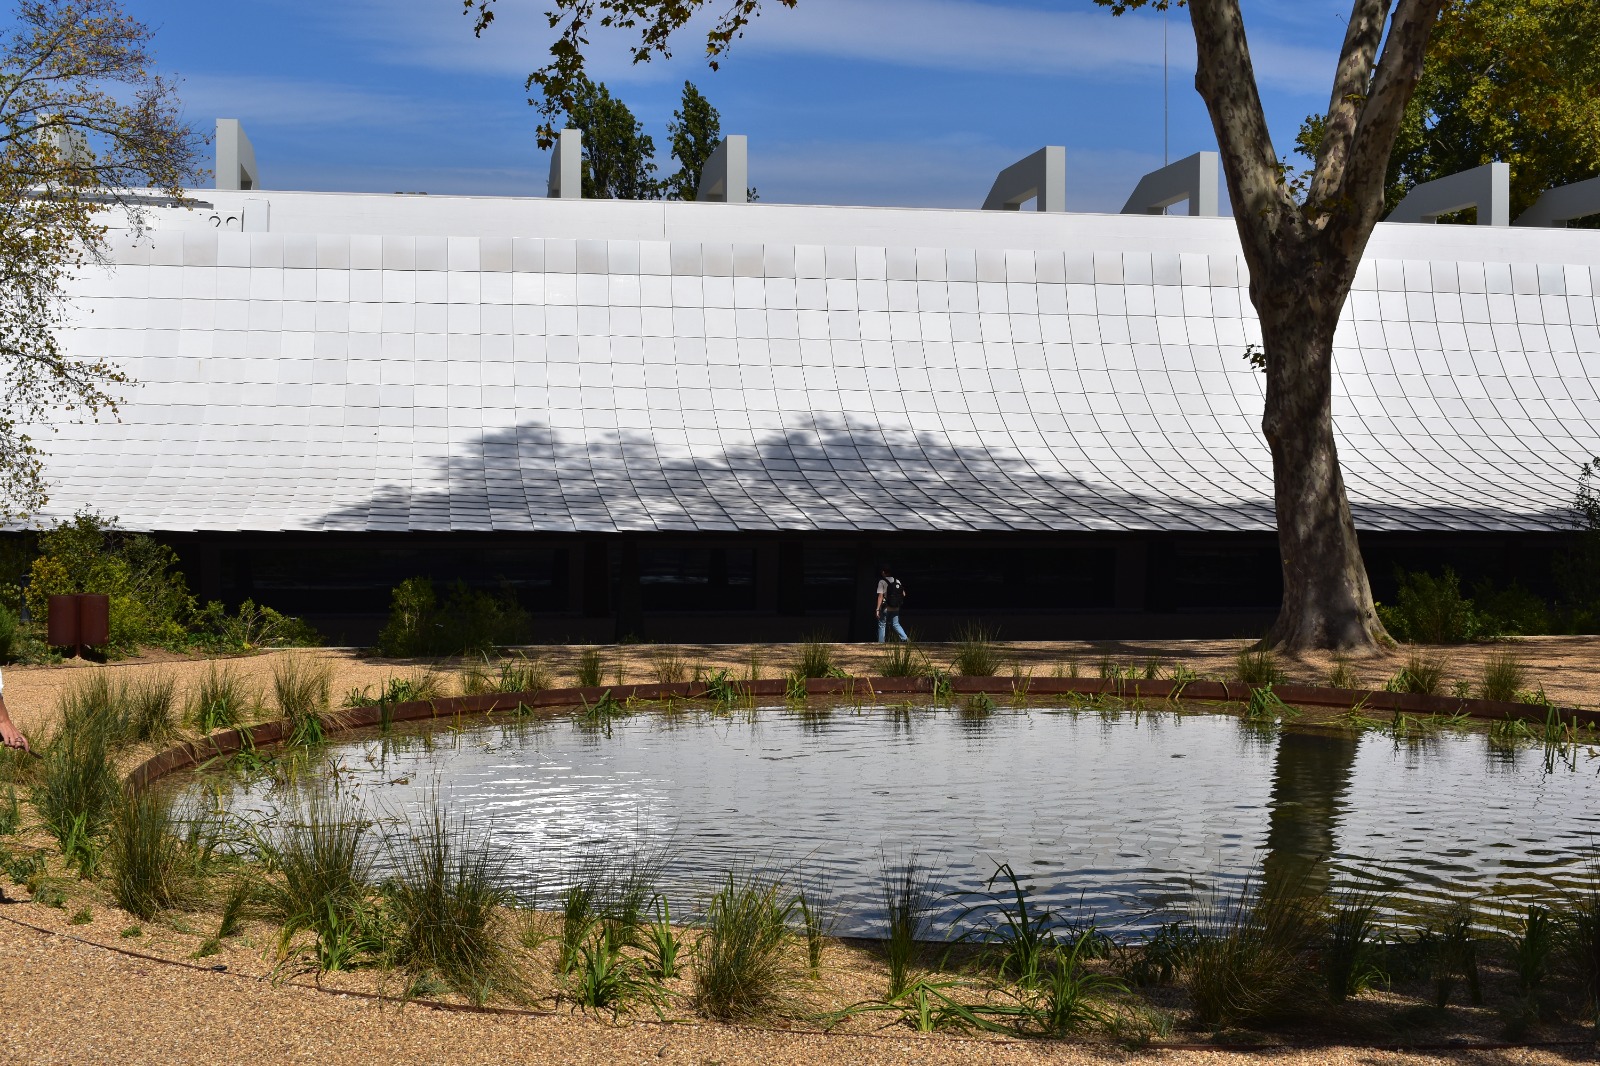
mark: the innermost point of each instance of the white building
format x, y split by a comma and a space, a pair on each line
703, 419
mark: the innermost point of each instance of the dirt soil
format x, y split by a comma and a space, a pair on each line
69, 996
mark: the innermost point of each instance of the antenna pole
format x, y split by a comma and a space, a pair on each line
1166, 137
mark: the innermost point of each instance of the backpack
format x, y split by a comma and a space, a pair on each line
894, 597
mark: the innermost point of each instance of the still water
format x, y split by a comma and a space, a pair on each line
1124, 817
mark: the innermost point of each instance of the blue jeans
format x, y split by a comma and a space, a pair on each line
887, 619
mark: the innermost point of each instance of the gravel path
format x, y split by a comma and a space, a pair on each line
67, 1002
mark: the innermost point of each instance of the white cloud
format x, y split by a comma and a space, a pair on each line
273, 101
965, 35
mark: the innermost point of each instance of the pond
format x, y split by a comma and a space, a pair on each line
1126, 817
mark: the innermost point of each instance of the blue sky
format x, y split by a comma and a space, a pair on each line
893, 102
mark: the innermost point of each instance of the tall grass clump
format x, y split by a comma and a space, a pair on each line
1578, 939
1531, 948
1422, 674
815, 659
444, 900
222, 700
1343, 675
302, 686
150, 871
901, 660
1257, 667
324, 869
976, 652
1250, 965
744, 966
76, 790
150, 712
908, 909
1349, 956
1451, 948
516, 674
1503, 676
591, 668
670, 667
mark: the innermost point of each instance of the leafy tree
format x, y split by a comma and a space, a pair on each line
1516, 81
696, 130
1302, 236
83, 123
618, 156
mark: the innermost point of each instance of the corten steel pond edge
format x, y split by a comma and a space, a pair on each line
550, 701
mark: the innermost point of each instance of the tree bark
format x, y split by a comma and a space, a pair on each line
1327, 601
1303, 247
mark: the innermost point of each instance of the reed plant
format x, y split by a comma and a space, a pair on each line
10, 812
222, 700
323, 868
1251, 963
515, 674
1450, 945
662, 944
1343, 675
1257, 667
1531, 948
1063, 996
603, 978
1161, 958
976, 654
1577, 932
1349, 956
150, 871
302, 686
77, 788
669, 666
150, 708
815, 659
1503, 676
816, 922
744, 966
444, 899
1422, 674
1015, 934
591, 668
902, 659
908, 911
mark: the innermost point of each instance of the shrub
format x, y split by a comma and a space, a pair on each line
444, 900
976, 653
1431, 610
1504, 675
249, 628
150, 602
1510, 611
149, 871
10, 627
468, 621
744, 968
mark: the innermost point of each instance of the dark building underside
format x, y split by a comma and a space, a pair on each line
766, 586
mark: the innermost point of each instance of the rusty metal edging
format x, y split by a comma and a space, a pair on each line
549, 701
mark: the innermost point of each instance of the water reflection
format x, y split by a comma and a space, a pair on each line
1122, 814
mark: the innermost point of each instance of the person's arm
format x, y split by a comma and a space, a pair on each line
10, 734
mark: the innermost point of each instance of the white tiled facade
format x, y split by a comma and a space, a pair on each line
424, 363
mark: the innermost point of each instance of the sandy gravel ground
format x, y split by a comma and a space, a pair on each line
1567, 667
67, 1002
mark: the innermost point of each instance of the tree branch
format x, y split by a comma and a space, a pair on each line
1226, 80
1351, 81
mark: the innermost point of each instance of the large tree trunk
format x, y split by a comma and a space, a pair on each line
1327, 602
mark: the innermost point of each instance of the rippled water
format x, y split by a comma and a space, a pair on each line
1122, 816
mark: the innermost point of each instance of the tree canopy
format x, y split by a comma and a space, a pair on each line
618, 156
696, 130
84, 125
1514, 81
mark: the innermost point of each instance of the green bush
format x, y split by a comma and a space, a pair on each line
468, 621
249, 628
1431, 610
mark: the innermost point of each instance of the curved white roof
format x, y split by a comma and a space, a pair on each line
426, 363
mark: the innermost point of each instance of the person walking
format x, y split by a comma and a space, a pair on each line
891, 597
